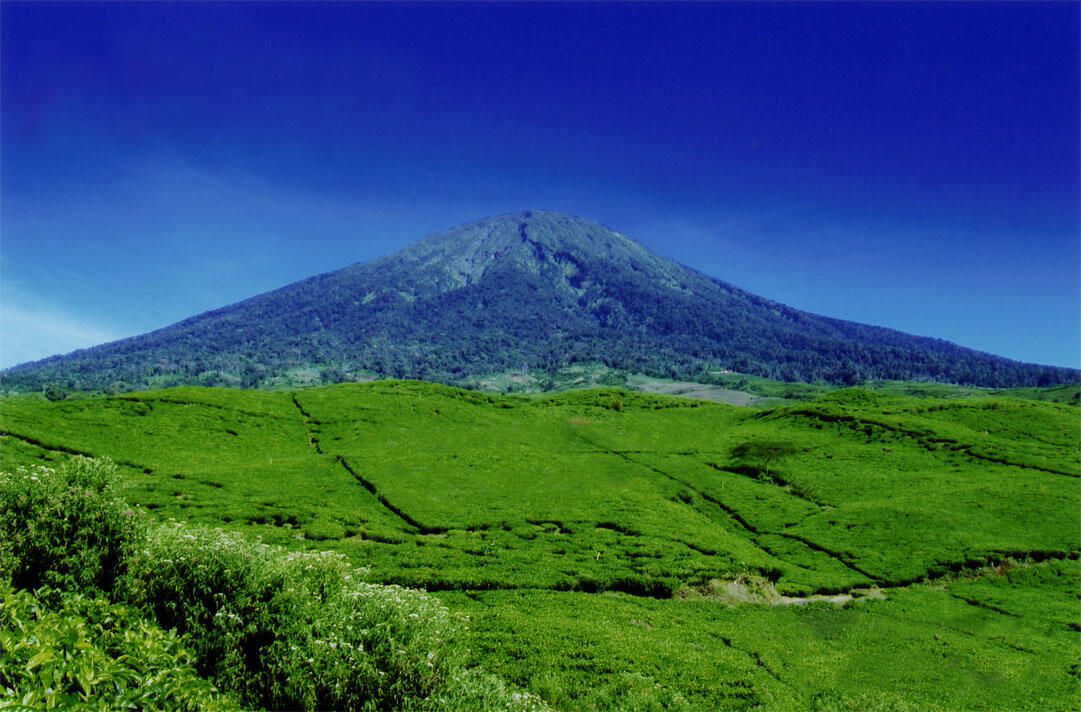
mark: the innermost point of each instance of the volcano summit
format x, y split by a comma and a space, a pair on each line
534, 290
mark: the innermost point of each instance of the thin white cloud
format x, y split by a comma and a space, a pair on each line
31, 332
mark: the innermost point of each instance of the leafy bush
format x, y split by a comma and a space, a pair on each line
89, 654
282, 630
633, 692
624, 691
55, 393
290, 630
473, 689
67, 527
760, 453
323, 528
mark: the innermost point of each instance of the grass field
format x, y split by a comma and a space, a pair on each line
614, 545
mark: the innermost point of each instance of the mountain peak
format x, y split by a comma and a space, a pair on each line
548, 228
536, 241
531, 289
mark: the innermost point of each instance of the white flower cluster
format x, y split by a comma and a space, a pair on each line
23, 474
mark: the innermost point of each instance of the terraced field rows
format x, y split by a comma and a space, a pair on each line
575, 527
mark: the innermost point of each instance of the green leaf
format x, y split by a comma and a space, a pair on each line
45, 656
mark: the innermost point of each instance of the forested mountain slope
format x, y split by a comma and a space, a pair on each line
527, 290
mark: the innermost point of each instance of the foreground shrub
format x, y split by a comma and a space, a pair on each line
67, 528
280, 630
293, 630
88, 654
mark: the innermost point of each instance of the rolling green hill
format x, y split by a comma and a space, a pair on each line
862, 550
535, 290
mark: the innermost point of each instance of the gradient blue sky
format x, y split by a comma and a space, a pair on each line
909, 165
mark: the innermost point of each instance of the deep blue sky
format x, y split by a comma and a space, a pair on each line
909, 165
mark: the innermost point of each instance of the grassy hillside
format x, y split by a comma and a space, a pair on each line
573, 528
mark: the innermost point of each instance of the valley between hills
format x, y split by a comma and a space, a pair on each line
910, 547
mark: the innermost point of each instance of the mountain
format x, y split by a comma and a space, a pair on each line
535, 289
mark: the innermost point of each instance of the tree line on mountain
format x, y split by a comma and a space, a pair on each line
467, 352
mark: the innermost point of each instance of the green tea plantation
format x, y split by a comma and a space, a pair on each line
595, 549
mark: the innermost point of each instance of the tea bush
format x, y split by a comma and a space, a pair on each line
89, 654
322, 528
